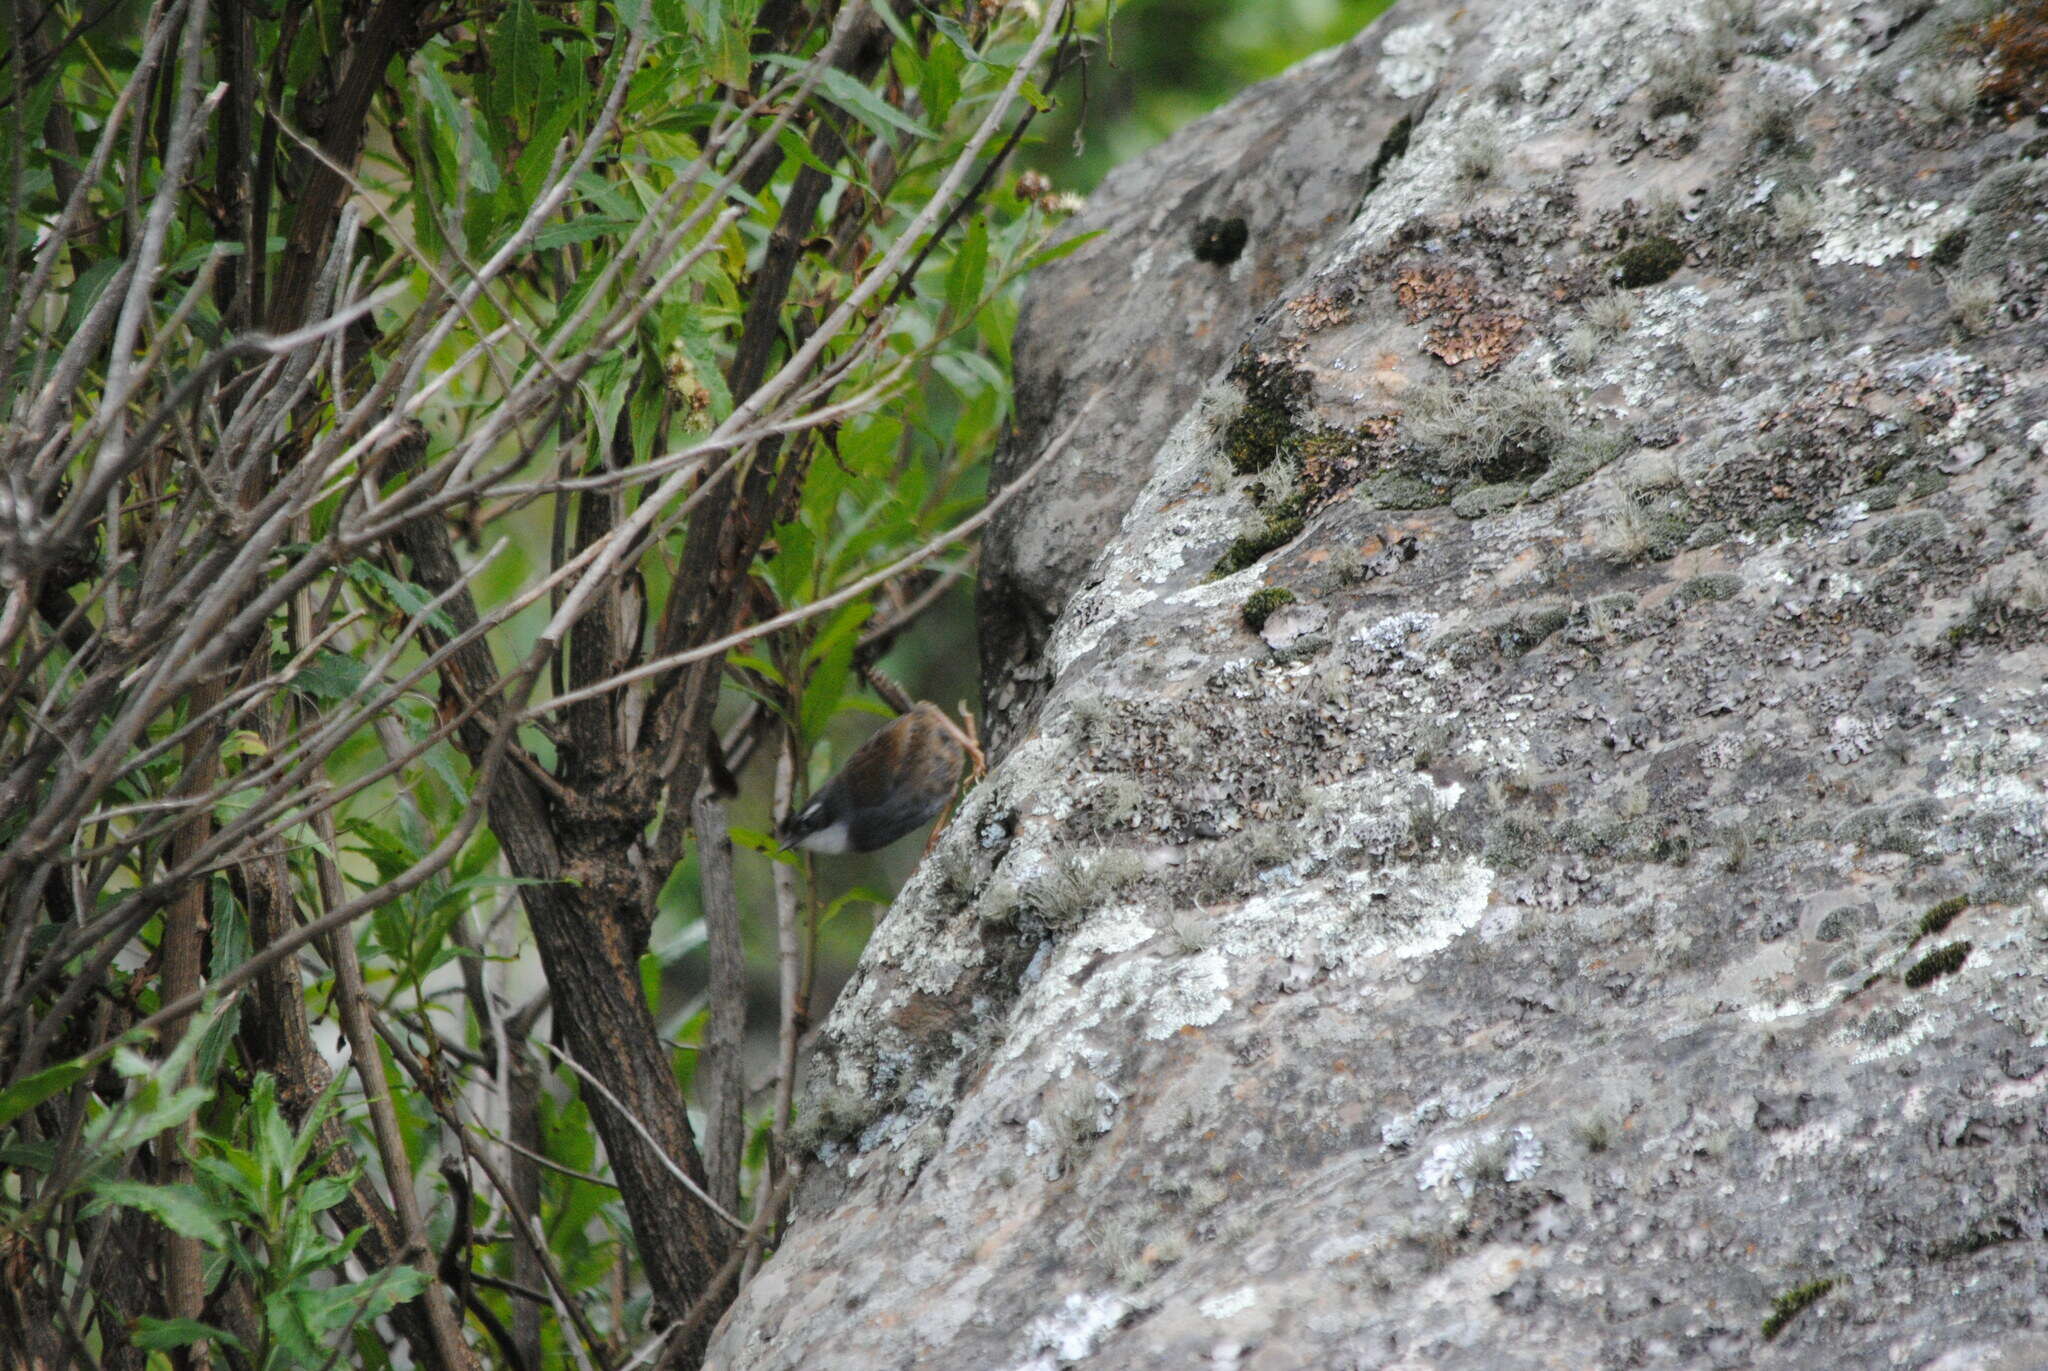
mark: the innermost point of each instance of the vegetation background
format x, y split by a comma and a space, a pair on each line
411, 416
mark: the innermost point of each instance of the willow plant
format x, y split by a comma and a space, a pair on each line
419, 425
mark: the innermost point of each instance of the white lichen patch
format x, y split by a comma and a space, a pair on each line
1820, 1138
1401, 1131
1864, 227
1054, 1020
1155, 544
1907, 1040
1481, 1158
1073, 1331
1413, 57
1229, 1303
1391, 642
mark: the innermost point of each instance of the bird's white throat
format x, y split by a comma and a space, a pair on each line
830, 840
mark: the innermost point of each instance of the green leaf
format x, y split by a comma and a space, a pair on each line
472, 150
234, 1172
411, 599
938, 82
750, 662
243, 742
832, 658
692, 937
969, 270
85, 292
23, 1096
331, 677
858, 895
857, 100
579, 231
895, 25
153, 1334
957, 35
753, 840
725, 30
798, 148
230, 949
39, 1157
324, 1193
184, 1209
1061, 249
521, 64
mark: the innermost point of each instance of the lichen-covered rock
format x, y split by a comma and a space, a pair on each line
1604, 926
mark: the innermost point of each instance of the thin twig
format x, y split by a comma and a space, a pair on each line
825, 605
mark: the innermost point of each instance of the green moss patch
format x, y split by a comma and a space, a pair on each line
1789, 1305
1402, 490
1258, 434
1647, 263
1948, 249
1260, 605
1582, 454
1936, 964
1942, 915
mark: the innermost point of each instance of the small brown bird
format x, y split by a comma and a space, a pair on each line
896, 781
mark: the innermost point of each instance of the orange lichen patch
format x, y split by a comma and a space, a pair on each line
1487, 338
1425, 292
1468, 322
1320, 309
2014, 46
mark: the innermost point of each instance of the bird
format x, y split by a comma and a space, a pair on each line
896, 781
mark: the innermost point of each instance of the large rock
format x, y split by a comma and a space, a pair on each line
1602, 919
1193, 246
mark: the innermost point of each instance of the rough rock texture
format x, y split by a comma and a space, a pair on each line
1144, 313
1601, 918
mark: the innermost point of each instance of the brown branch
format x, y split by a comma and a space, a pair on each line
318, 203
353, 1000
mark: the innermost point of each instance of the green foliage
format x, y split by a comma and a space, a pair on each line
1260, 605
1280, 528
1169, 62
1787, 1306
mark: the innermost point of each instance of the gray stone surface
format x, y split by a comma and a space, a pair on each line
1134, 313
1613, 896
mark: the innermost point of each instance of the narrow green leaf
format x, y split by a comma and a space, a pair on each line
969, 271
23, 1096
184, 1209
750, 662
957, 35
832, 669
753, 840
522, 61
153, 1334
857, 100
408, 597
1061, 249
579, 231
